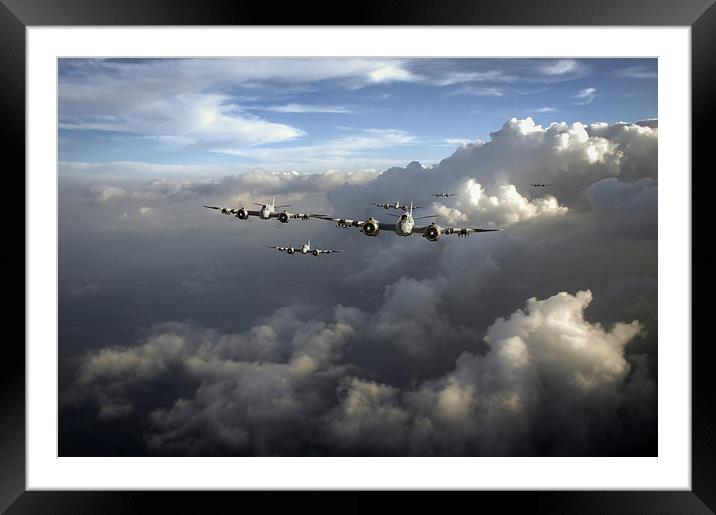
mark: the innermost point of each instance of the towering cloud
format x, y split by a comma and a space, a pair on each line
538, 340
283, 387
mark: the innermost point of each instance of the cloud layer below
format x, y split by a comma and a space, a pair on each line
539, 340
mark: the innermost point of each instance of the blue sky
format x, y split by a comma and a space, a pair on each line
312, 115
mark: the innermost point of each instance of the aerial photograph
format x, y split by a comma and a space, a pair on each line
357, 256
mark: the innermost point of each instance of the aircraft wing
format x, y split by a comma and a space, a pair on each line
464, 231
283, 249
328, 251
231, 210
460, 231
302, 216
223, 210
306, 216
346, 222
342, 222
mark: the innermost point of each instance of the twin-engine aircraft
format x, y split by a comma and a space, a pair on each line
540, 185
267, 211
404, 226
396, 205
304, 249
442, 194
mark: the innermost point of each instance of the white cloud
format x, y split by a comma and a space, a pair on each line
250, 388
411, 372
457, 142
180, 102
544, 361
481, 76
346, 152
491, 179
506, 207
104, 194
201, 119
585, 96
568, 157
563, 67
390, 73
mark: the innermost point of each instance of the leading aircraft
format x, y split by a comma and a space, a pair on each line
404, 226
396, 205
304, 249
540, 185
267, 211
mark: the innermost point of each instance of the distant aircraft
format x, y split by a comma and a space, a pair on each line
405, 226
441, 194
539, 185
304, 249
396, 205
267, 211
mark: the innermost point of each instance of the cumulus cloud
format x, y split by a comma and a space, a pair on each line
369, 419
438, 354
505, 208
628, 210
544, 361
287, 374
106, 193
569, 157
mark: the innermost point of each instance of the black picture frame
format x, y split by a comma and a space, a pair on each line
17, 15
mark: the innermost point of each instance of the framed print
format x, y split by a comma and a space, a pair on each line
424, 252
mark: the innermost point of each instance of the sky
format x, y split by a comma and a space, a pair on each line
182, 333
314, 114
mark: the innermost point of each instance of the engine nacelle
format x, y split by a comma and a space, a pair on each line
371, 227
242, 214
283, 217
315, 252
289, 250
433, 232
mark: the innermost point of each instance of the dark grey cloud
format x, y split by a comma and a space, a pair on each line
180, 327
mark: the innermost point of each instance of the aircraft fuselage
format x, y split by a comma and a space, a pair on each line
405, 225
266, 211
